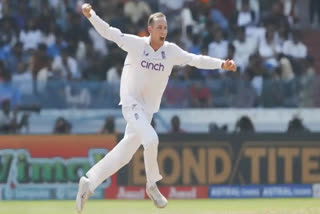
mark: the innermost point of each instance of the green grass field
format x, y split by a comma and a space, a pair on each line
243, 206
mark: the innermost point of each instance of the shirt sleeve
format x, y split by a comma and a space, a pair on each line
126, 42
182, 57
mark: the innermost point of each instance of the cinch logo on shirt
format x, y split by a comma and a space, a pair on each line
152, 66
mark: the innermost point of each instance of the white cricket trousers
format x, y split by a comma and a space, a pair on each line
138, 131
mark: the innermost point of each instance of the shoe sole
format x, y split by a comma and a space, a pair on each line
154, 202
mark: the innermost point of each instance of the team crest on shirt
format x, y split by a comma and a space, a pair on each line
145, 53
136, 115
163, 54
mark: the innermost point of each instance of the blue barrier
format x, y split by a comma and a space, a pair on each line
223, 93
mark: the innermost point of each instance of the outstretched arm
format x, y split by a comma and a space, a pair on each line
124, 41
203, 62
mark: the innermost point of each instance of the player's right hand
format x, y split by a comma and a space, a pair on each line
86, 8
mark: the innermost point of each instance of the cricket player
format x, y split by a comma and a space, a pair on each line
145, 75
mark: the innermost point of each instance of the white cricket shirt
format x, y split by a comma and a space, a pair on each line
146, 72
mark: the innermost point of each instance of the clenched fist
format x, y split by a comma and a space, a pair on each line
229, 65
86, 8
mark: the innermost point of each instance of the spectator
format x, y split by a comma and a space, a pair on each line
114, 73
76, 32
21, 14
254, 5
109, 126
43, 75
187, 38
154, 5
136, 10
7, 36
219, 47
295, 48
48, 36
314, 10
244, 48
175, 125
282, 34
90, 64
8, 91
54, 50
47, 24
22, 79
296, 126
175, 95
296, 51
215, 129
8, 119
65, 66
119, 20
289, 84
62, 126
187, 20
272, 93
171, 9
306, 81
40, 66
216, 16
195, 45
208, 35
200, 95
287, 74
4, 51
31, 36
245, 16
276, 15
245, 95
39, 59
7, 32
227, 8
16, 57
289, 10
99, 43
244, 125
256, 72
269, 49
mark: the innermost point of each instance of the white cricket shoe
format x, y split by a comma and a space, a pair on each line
155, 195
84, 193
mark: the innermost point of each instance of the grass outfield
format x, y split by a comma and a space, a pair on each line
243, 206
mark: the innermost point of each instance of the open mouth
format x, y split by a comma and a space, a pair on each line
162, 38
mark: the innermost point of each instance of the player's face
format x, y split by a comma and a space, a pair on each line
158, 30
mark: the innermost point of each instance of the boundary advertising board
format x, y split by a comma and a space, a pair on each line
192, 160
192, 165
49, 166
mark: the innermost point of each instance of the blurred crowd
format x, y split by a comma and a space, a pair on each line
50, 55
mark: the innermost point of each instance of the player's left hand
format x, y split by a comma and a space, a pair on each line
229, 65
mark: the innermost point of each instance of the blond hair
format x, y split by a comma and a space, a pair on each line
153, 16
